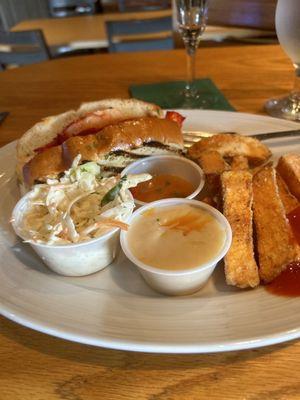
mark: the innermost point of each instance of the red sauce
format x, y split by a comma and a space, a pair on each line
162, 187
288, 282
62, 137
294, 219
54, 142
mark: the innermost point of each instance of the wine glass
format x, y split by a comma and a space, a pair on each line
287, 21
191, 17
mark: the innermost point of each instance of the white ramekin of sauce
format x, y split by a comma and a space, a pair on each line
176, 244
172, 177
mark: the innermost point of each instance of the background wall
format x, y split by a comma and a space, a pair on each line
13, 11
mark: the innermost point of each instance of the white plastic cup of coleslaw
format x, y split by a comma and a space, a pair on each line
167, 280
76, 259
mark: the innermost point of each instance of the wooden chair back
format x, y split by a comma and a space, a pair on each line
140, 35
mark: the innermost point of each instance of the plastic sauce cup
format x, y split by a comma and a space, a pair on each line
178, 282
173, 165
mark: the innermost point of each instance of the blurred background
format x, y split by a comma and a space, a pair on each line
35, 30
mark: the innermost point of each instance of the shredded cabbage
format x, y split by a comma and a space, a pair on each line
70, 209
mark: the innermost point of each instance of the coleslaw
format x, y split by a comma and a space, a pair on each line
79, 206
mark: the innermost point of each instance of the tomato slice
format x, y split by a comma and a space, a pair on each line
176, 117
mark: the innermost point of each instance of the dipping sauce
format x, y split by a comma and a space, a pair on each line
162, 186
288, 282
176, 237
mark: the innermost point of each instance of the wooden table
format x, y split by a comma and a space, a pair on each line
90, 31
35, 366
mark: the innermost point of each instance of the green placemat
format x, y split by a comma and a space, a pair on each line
167, 95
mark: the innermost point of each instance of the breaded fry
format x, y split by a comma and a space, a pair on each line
288, 200
230, 145
276, 244
260, 167
212, 162
240, 266
239, 163
288, 168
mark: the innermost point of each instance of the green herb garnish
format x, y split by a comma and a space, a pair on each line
113, 192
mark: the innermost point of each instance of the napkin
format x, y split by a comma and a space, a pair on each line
167, 95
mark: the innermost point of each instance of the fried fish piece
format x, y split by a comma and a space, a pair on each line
231, 145
276, 244
240, 266
239, 163
288, 168
212, 162
288, 200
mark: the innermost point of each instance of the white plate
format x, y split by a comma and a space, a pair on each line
115, 308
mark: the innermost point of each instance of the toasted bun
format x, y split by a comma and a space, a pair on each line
105, 112
133, 106
122, 136
110, 111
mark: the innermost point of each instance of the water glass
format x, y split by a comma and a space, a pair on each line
287, 21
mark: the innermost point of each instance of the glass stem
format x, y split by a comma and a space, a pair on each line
191, 68
296, 89
191, 43
295, 95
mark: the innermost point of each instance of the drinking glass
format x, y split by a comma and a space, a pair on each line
191, 17
287, 21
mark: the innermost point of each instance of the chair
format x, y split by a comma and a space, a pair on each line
2, 27
70, 8
24, 47
139, 35
142, 5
